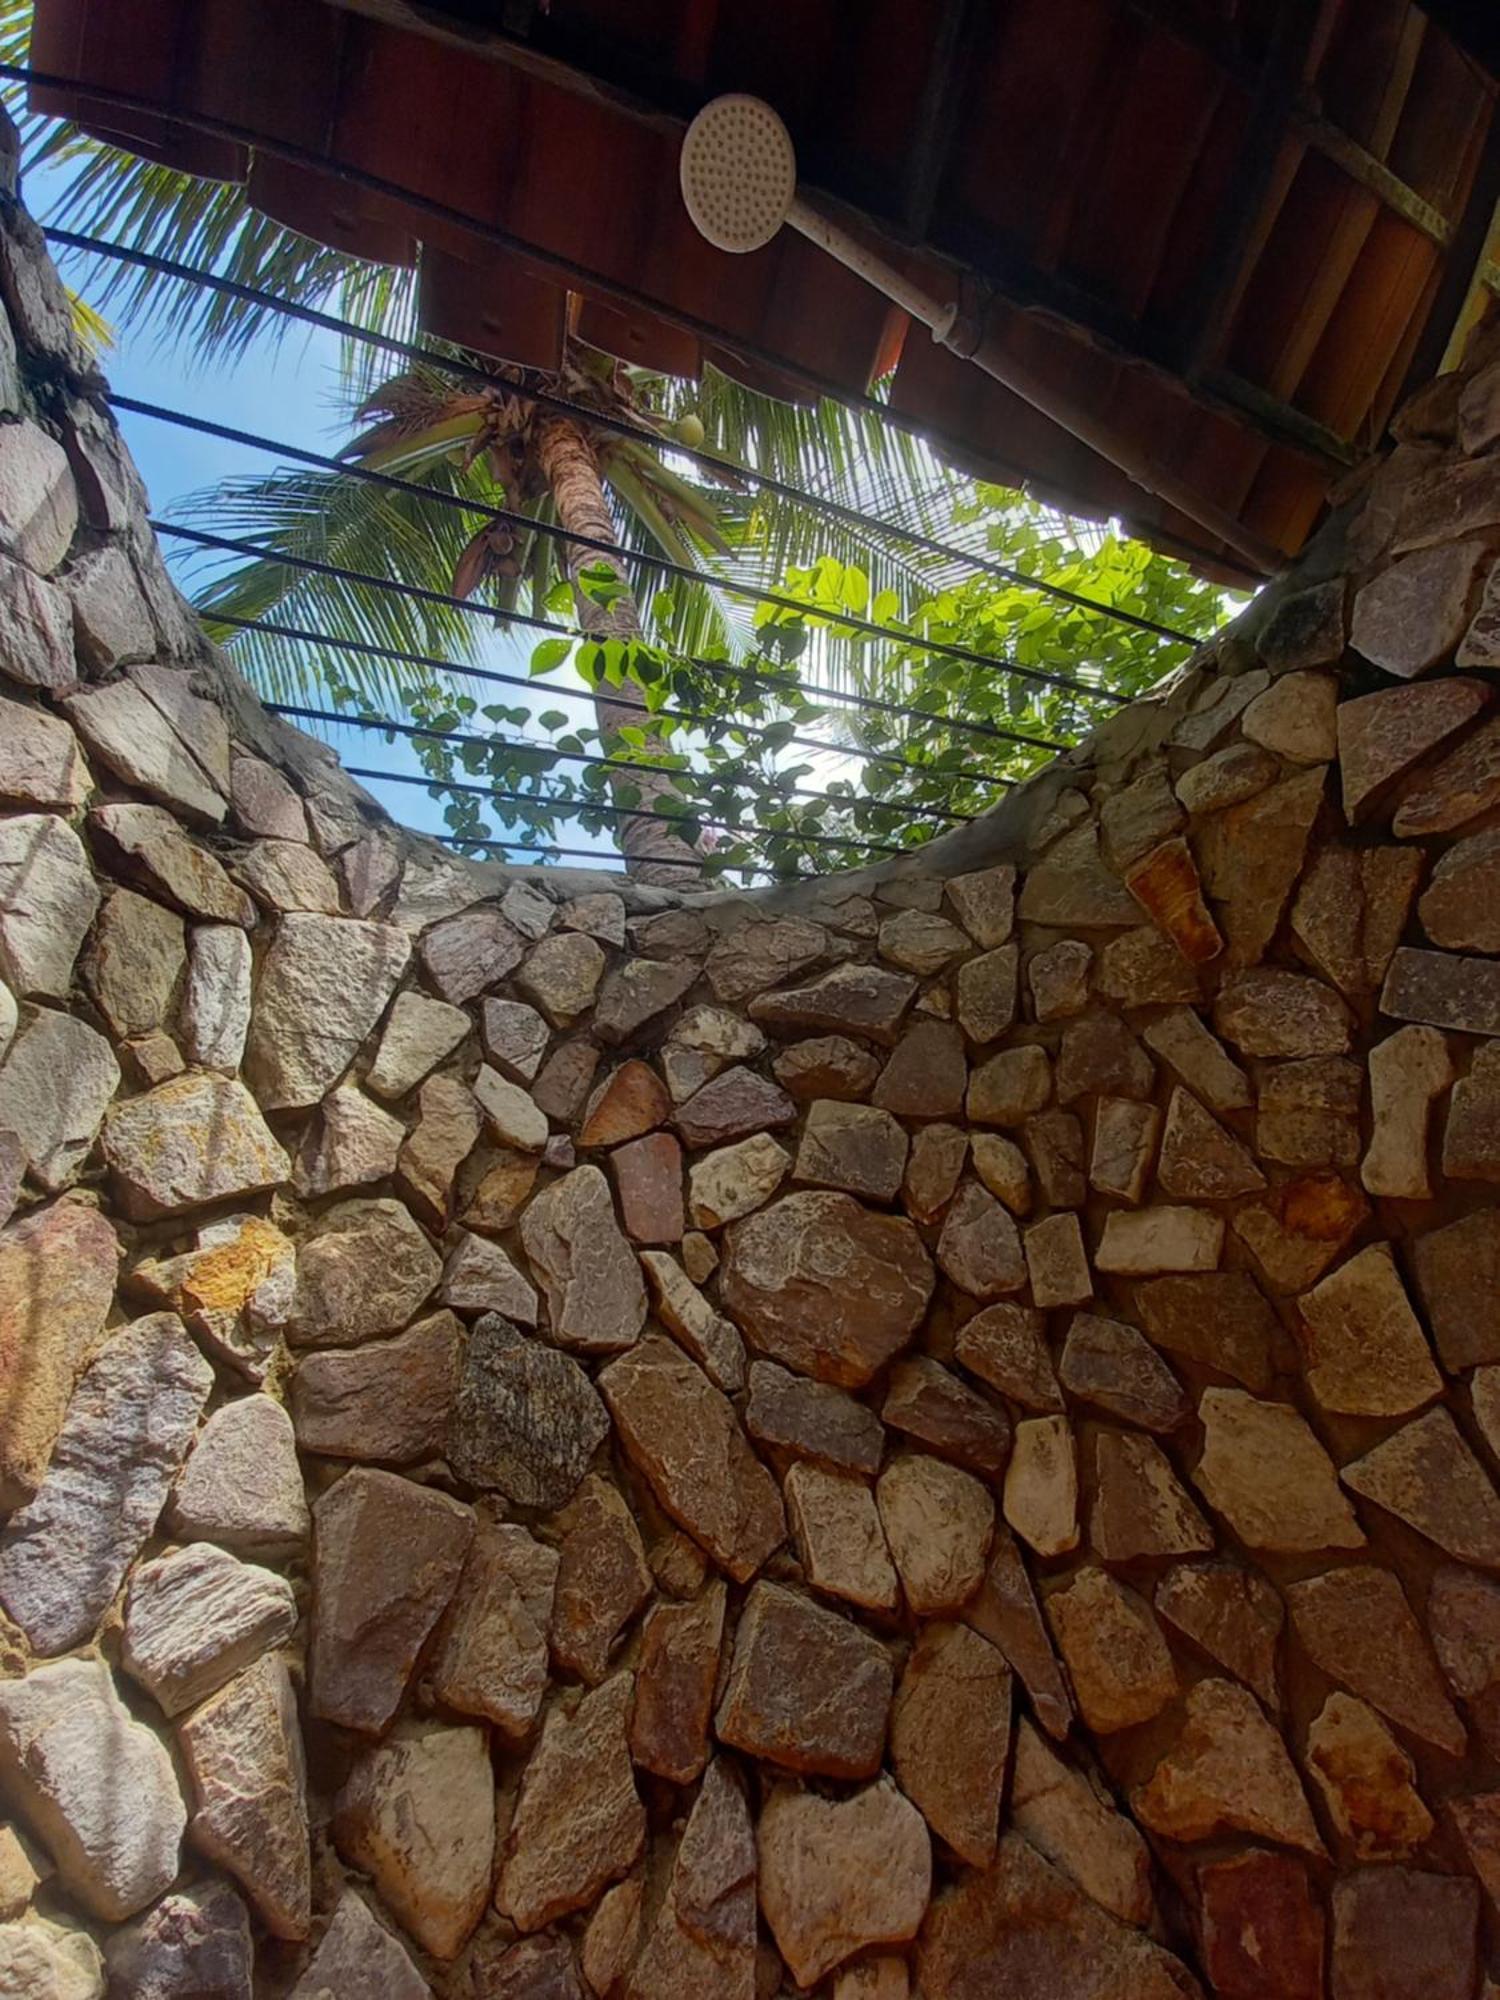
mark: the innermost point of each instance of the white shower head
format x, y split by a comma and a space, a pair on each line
739, 172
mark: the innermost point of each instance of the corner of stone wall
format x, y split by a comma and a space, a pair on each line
927, 1432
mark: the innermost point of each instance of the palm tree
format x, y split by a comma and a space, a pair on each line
551, 466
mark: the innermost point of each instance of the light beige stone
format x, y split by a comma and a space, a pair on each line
1367, 1780
836, 1526
243, 1748
1057, 1263
736, 1180
419, 1033
1295, 718
115, 1846
511, 1112
323, 985
938, 1521
1182, 1041
1426, 1475
1001, 1165
1041, 1485
417, 1814
837, 1875
490, 1655
1364, 1351
1228, 1771
950, 1737
40, 1960
1125, 1136
1409, 1071
1143, 1242
1116, 1657
1071, 1820
1266, 1473
195, 1617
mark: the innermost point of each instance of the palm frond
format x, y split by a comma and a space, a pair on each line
356, 526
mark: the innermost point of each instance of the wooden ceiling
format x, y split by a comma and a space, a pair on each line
1224, 232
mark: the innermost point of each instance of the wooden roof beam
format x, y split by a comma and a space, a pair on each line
1300, 114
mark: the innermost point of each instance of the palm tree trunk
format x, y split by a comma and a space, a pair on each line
654, 852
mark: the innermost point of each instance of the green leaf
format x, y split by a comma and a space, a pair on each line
549, 654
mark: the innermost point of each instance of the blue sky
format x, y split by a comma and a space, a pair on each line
285, 389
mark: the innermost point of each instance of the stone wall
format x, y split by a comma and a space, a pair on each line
930, 1433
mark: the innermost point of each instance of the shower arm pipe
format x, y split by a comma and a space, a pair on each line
967, 337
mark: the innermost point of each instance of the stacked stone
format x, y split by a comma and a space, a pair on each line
929, 1433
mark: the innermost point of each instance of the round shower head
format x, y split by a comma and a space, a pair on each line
739, 172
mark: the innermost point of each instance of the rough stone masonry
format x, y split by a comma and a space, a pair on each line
931, 1433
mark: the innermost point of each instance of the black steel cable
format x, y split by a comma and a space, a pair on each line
759, 790
719, 668
369, 649
347, 329
600, 859
571, 808
508, 517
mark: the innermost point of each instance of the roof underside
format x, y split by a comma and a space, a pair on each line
1225, 232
